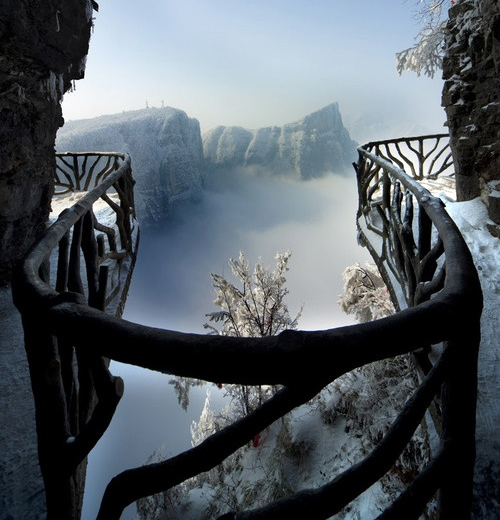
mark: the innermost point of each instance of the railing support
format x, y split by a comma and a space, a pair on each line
458, 398
437, 261
75, 395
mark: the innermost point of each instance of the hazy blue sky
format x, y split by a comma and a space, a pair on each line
256, 63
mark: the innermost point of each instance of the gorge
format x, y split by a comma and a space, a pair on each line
171, 160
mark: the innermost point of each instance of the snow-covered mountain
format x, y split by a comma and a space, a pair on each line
166, 150
169, 157
306, 149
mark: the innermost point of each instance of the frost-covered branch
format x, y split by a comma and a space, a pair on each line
426, 55
365, 294
258, 309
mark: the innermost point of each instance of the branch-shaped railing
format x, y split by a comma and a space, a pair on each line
83, 171
107, 248
87, 257
424, 157
441, 304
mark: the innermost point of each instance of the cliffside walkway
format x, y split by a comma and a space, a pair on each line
432, 280
21, 486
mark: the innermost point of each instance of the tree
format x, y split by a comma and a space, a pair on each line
258, 308
365, 294
426, 55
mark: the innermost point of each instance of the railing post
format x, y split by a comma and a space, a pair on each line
75, 395
458, 400
441, 262
63, 488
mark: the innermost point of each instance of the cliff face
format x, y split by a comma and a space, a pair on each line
165, 147
43, 50
308, 148
471, 97
169, 158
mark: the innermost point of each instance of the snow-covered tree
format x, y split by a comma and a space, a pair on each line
365, 294
257, 308
426, 55
253, 307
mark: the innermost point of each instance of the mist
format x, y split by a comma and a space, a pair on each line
315, 219
171, 288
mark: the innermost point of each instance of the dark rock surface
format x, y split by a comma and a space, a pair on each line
43, 51
471, 94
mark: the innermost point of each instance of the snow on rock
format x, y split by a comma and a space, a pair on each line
471, 217
165, 147
169, 156
308, 148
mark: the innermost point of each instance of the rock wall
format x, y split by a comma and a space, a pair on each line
43, 49
306, 149
471, 97
43, 46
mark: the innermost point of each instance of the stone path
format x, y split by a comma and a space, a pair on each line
21, 488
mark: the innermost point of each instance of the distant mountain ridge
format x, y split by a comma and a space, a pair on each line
306, 149
170, 158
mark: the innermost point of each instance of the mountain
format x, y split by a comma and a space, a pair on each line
308, 148
166, 150
170, 158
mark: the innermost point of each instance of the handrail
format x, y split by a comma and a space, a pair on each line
75, 395
117, 179
446, 310
423, 157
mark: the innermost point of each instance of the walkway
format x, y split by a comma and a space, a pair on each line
21, 488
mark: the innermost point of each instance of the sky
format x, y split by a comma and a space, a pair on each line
258, 63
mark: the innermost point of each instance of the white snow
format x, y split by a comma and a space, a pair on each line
471, 217
103, 212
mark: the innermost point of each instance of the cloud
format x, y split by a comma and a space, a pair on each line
171, 287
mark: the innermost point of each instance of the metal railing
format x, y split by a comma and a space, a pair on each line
441, 305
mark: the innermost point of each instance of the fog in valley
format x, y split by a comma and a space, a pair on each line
171, 288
